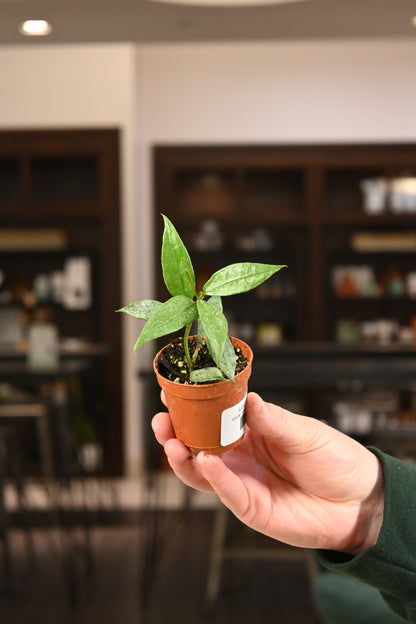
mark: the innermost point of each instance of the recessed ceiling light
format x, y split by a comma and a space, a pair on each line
35, 28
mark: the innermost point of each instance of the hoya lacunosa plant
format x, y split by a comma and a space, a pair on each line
187, 304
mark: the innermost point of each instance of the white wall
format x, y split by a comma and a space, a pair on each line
278, 92
307, 91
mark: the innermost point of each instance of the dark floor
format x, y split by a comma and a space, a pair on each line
58, 584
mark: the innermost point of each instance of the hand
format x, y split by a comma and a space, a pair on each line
292, 478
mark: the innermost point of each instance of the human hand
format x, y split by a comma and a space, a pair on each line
292, 478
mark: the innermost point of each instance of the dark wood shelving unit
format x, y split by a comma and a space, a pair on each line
309, 202
68, 181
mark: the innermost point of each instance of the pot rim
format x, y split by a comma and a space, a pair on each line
163, 381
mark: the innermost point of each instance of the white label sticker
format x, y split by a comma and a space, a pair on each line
232, 423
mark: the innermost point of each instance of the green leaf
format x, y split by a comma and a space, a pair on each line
203, 375
228, 360
141, 309
215, 327
218, 304
239, 277
177, 268
167, 318
216, 301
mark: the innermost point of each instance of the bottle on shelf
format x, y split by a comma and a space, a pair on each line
43, 341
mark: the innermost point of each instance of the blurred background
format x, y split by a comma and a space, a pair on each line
281, 133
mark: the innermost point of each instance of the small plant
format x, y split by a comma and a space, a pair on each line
188, 305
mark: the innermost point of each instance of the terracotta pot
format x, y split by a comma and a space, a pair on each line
209, 416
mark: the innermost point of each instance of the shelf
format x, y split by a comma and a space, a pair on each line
57, 177
311, 202
59, 198
242, 221
10, 180
358, 218
64, 175
343, 192
274, 193
373, 300
208, 193
325, 365
329, 349
67, 349
397, 433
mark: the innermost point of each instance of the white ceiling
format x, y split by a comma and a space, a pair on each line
146, 21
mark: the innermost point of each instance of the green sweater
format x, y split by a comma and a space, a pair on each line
389, 565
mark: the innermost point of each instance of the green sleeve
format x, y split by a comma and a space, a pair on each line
389, 565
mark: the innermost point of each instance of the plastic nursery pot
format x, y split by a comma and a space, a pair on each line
208, 416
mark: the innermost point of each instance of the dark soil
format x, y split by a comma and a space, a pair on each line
172, 364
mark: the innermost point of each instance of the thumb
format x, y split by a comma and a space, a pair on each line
226, 484
288, 430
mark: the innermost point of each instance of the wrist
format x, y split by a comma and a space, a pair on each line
370, 515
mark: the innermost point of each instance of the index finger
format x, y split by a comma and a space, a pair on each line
185, 467
163, 398
162, 427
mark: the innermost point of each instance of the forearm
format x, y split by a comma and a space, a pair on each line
389, 564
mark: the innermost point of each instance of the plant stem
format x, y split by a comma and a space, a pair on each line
191, 283
195, 353
186, 347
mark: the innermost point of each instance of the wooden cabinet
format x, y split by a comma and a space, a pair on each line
59, 200
342, 217
303, 206
229, 207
